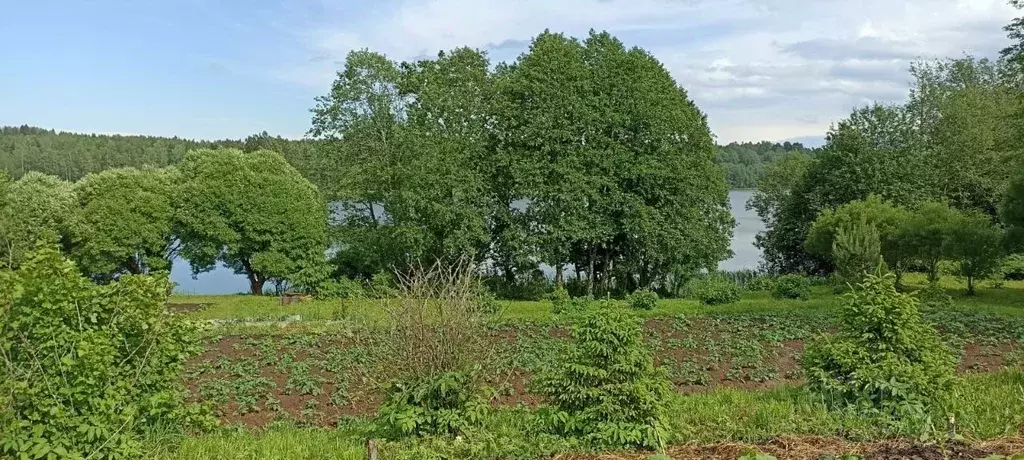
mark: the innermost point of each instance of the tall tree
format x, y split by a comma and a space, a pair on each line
252, 212
410, 140
126, 221
619, 161
976, 245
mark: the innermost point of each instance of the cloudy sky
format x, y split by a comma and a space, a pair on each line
761, 69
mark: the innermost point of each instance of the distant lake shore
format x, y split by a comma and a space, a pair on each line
745, 255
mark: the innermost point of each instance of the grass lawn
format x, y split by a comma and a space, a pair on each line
733, 366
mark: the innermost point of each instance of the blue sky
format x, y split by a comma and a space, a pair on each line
779, 69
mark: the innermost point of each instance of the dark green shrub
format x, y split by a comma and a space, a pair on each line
762, 283
343, 288
792, 287
1013, 267
445, 404
562, 303
532, 286
643, 299
934, 296
486, 300
606, 389
87, 368
714, 290
856, 251
382, 285
884, 358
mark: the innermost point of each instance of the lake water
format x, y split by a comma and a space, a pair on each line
745, 256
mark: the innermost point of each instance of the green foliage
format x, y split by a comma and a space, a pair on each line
884, 357
933, 296
938, 146
856, 251
445, 404
745, 163
649, 203
1013, 267
976, 245
606, 389
926, 235
885, 218
341, 288
72, 156
763, 283
1012, 213
562, 303
251, 211
792, 287
88, 369
643, 299
714, 290
126, 221
36, 209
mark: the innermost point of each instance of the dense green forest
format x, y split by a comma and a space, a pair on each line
745, 163
71, 156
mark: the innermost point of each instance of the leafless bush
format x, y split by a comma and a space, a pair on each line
437, 321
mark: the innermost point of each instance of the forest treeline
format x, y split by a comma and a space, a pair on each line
71, 156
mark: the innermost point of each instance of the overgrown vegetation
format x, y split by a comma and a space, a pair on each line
88, 369
436, 345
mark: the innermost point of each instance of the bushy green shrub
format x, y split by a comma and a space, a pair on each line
606, 389
714, 290
87, 368
643, 299
1013, 267
792, 287
443, 404
764, 283
562, 303
487, 301
382, 285
343, 288
856, 251
884, 358
934, 296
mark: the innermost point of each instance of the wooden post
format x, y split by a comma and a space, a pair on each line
371, 449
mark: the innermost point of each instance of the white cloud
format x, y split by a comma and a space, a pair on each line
761, 69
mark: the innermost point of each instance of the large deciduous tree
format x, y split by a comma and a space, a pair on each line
37, 208
126, 221
253, 212
976, 245
406, 144
617, 162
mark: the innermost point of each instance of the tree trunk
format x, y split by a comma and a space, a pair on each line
590, 273
970, 285
255, 283
559, 276
933, 271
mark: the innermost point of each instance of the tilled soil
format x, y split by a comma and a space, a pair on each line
813, 447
